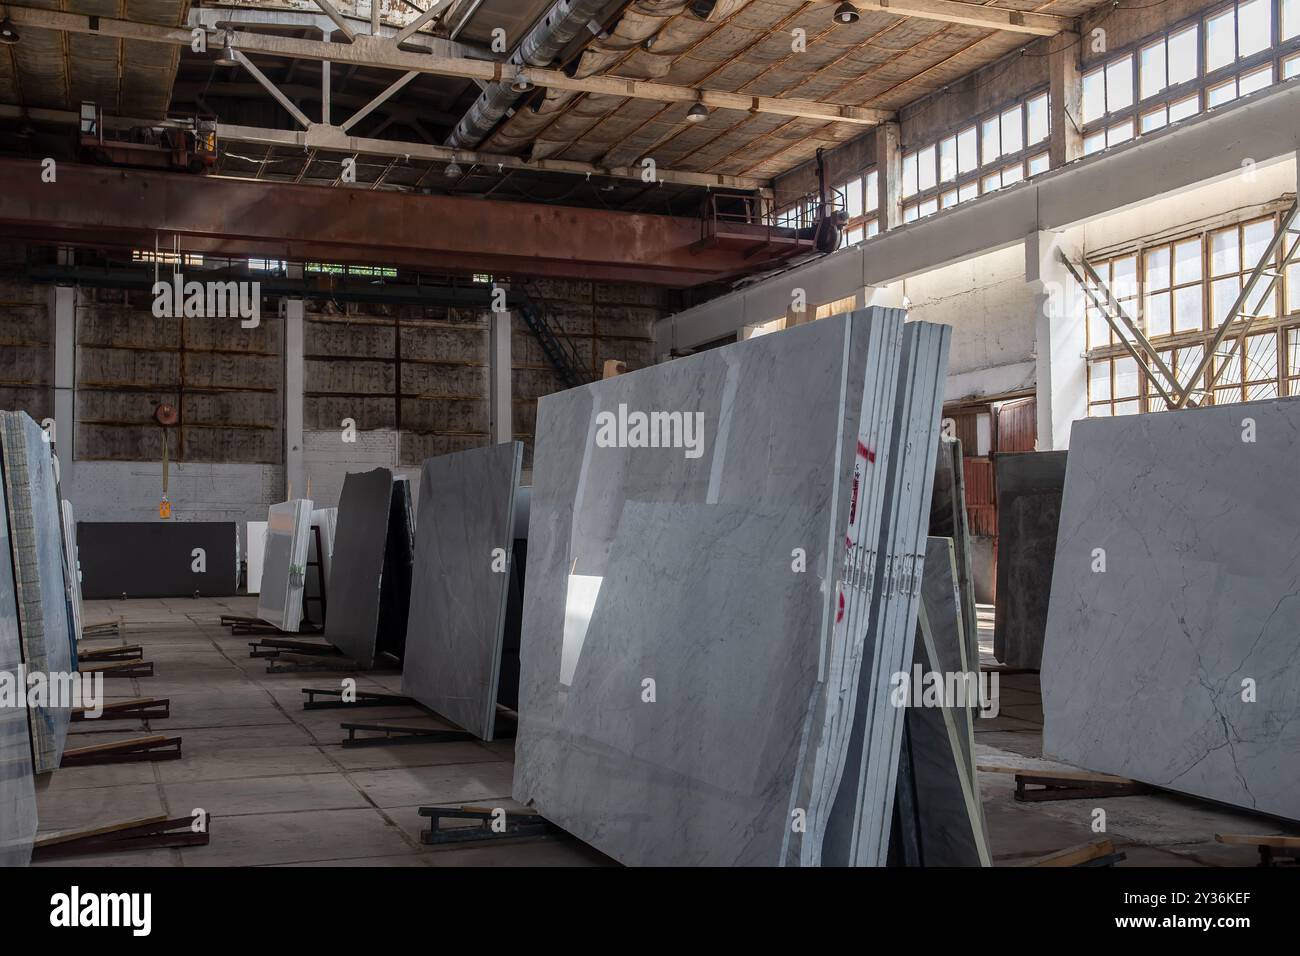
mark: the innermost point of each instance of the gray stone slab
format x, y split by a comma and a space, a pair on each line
1144, 663
17, 793
652, 564
949, 519
1029, 510
352, 622
455, 632
36, 547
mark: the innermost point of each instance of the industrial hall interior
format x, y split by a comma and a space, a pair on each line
650, 433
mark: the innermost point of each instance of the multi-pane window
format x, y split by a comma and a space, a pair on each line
1227, 53
860, 197
1178, 292
1000, 149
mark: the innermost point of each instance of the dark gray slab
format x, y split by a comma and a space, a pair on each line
17, 791
1029, 509
352, 623
949, 519
1146, 663
36, 548
456, 629
154, 559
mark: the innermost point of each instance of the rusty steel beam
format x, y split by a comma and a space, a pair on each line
111, 207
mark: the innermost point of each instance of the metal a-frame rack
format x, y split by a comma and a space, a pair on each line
1259, 285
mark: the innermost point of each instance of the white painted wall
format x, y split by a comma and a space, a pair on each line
327, 460
992, 314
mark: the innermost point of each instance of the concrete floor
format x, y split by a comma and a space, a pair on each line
281, 790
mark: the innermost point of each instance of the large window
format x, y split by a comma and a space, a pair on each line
1179, 292
1002, 148
1227, 53
861, 199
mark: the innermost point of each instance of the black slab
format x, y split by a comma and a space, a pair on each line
370, 574
1029, 486
155, 559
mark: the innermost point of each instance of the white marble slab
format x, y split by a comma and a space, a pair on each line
717, 576
463, 552
1145, 663
284, 564
17, 790
256, 532
36, 548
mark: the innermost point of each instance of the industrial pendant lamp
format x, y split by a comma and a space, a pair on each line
227, 55
8, 34
697, 113
847, 13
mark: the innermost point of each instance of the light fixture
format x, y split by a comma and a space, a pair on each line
7, 32
521, 83
847, 13
697, 113
227, 55
453, 170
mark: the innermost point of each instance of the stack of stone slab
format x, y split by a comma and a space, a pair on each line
284, 564
464, 543
724, 568
1172, 653
859, 820
370, 571
1030, 485
17, 776
35, 540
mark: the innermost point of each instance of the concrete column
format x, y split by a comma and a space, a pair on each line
295, 471
63, 343
889, 175
500, 370
1059, 339
1065, 99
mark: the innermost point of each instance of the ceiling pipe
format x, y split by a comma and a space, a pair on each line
540, 47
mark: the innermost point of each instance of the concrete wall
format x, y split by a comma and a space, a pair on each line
416, 380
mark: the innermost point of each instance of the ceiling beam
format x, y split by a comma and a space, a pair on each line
274, 90
332, 139
335, 139
967, 14
136, 208
376, 52
435, 9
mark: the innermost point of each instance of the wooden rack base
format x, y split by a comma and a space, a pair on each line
142, 708
400, 734
275, 646
1035, 785
124, 751
149, 833
1274, 849
120, 669
333, 699
1096, 853
118, 652
517, 824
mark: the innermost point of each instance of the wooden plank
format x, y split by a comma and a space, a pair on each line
115, 745
1074, 855
1276, 840
69, 835
1034, 775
